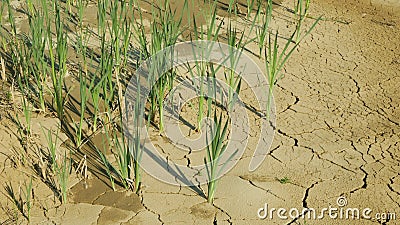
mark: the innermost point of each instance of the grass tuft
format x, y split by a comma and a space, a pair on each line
215, 149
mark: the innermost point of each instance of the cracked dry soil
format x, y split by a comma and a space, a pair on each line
337, 134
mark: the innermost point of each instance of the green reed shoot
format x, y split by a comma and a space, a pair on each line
124, 160
52, 148
105, 69
165, 30
57, 77
61, 167
214, 151
140, 37
120, 38
134, 144
232, 6
275, 60
30, 7
235, 51
28, 198
63, 170
211, 33
38, 66
122, 157
18, 48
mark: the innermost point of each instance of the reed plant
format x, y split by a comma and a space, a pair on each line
140, 35
236, 46
124, 160
127, 150
121, 33
122, 156
135, 145
58, 59
84, 34
210, 33
276, 59
17, 47
38, 66
11, 20
28, 198
215, 149
165, 30
63, 169
60, 165
105, 69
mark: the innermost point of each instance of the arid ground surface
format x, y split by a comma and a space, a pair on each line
337, 135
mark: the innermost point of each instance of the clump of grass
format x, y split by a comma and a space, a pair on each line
210, 33
214, 151
108, 167
84, 34
165, 30
52, 148
28, 198
236, 47
11, 20
122, 156
124, 160
60, 165
127, 150
232, 7
38, 66
20, 56
57, 76
63, 170
23, 200
135, 145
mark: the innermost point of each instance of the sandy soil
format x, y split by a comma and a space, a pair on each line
338, 117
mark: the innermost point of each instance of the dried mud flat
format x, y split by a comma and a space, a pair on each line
338, 124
